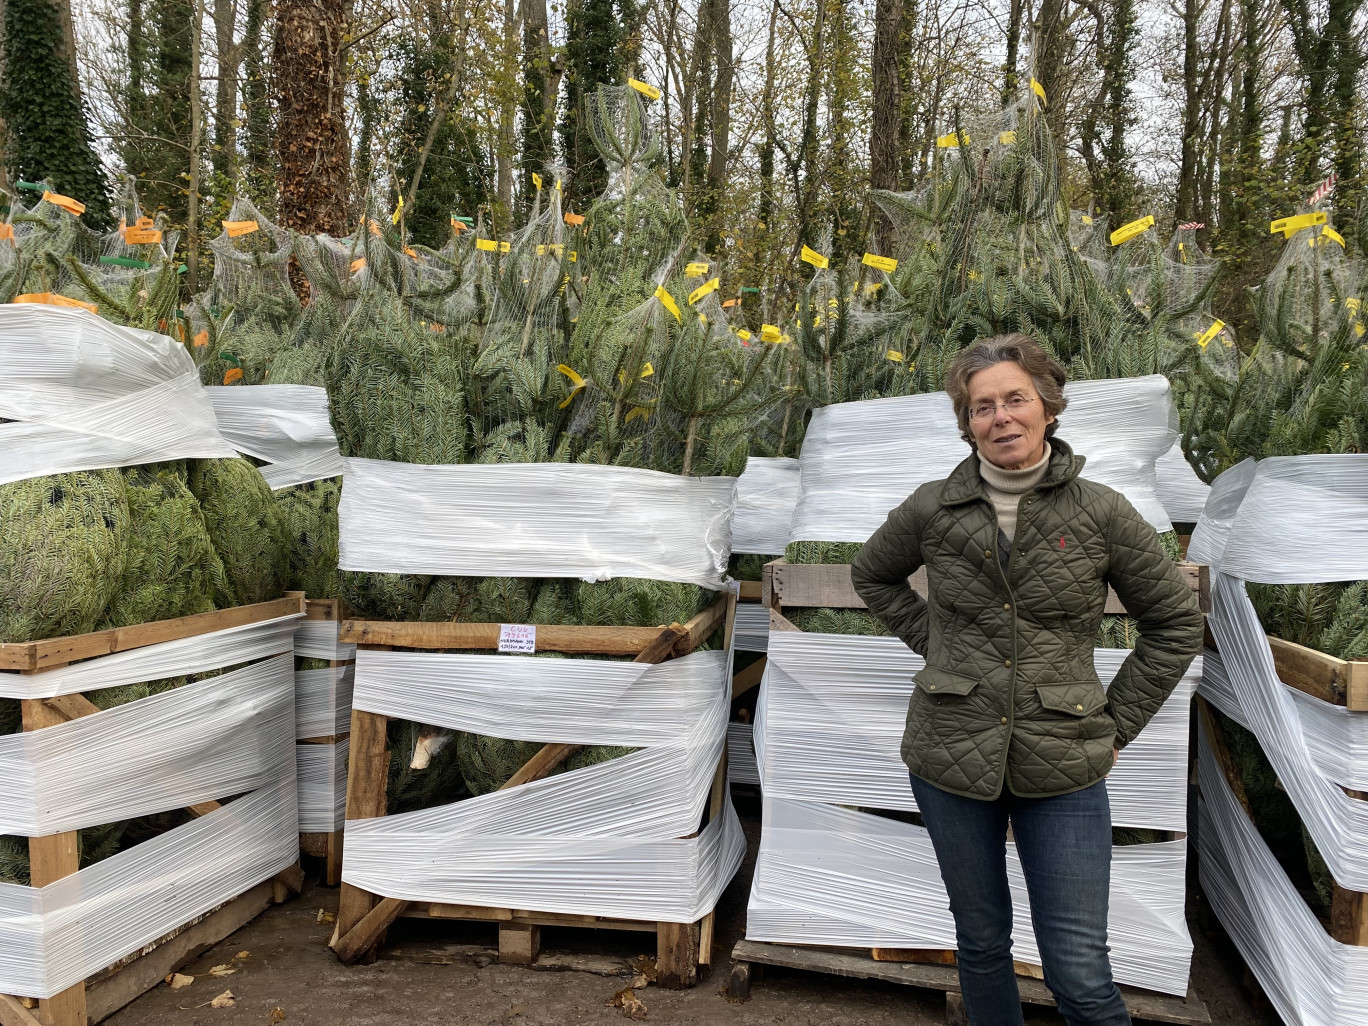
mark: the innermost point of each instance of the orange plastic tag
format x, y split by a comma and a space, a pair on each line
236, 228
574, 219
234, 374
357, 264
68, 204
145, 222
54, 299
7, 232
142, 236
202, 339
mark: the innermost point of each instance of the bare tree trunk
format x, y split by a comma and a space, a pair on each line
885, 136
4, 132
805, 171
192, 235
444, 108
1185, 206
1009, 68
225, 89
720, 114
767, 115
508, 111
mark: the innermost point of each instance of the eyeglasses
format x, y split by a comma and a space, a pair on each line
1017, 404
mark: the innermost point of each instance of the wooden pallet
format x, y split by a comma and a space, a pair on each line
363, 917
749, 956
326, 846
1348, 909
57, 856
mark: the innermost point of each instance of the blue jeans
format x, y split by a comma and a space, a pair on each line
1064, 844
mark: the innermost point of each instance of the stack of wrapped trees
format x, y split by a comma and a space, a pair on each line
543, 475
146, 658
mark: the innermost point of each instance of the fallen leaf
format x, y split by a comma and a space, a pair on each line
277, 1015
639, 981
324, 916
632, 1006
224, 1000
222, 970
243, 954
644, 965
179, 980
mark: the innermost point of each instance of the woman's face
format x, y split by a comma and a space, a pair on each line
1007, 417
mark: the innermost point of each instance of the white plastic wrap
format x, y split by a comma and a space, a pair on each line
828, 875
1212, 531
285, 425
195, 654
323, 701
535, 520
609, 839
751, 631
322, 775
862, 459
833, 708
52, 937
741, 765
86, 394
1311, 979
222, 736
317, 639
1304, 519
765, 497
1182, 492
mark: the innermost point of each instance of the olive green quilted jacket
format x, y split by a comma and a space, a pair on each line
1009, 694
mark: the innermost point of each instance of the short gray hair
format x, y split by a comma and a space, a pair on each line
1028, 354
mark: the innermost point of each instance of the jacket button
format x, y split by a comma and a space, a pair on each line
1079, 708
1007, 606
1006, 662
1004, 719
987, 553
931, 687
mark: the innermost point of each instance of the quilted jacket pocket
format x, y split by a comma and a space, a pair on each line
1072, 697
936, 681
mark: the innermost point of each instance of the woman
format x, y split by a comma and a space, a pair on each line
1008, 723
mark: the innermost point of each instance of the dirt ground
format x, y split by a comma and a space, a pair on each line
448, 974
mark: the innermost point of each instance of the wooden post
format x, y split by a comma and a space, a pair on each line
677, 955
52, 858
519, 943
367, 778
333, 872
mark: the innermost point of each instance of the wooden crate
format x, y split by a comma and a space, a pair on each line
363, 917
326, 846
749, 957
58, 855
1348, 909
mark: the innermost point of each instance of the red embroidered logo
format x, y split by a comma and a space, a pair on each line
1061, 541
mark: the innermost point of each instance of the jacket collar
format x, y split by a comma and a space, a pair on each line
966, 483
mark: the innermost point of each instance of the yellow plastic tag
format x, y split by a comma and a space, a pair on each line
398, 210
950, 142
771, 333
668, 302
236, 228
233, 374
880, 263
1204, 339
1353, 303
71, 206
1008, 138
553, 249
696, 269
54, 299
536, 181
357, 264
635, 412
1289, 226
894, 355
504, 247
644, 88
1329, 233
1085, 219
1130, 231
575, 380
1359, 330
743, 335
487, 245
814, 258
1039, 90
707, 287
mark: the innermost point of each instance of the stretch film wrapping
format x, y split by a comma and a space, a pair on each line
222, 736
610, 839
741, 765
765, 496
1212, 530
323, 700
751, 630
535, 520
285, 425
828, 875
1181, 491
862, 459
84, 394
833, 708
1310, 978
55, 936
317, 639
322, 774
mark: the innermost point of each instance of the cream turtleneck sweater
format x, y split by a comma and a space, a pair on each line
1006, 487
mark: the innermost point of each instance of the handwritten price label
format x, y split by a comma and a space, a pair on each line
518, 637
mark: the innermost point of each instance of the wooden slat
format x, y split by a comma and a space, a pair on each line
749, 677
367, 776
821, 585
54, 652
480, 913
13, 1013
702, 626
1320, 675
367, 933
1216, 741
622, 641
752, 591
332, 740
547, 759
778, 622
321, 609
662, 646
